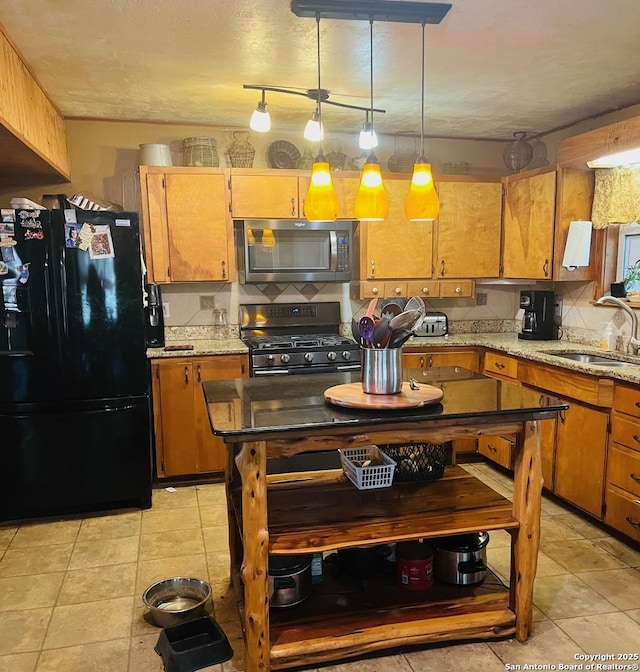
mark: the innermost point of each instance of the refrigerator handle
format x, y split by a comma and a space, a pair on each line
63, 297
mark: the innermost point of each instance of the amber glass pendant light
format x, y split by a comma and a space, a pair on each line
422, 203
321, 202
371, 203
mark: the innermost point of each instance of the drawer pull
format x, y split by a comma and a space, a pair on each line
631, 521
638, 404
493, 449
636, 438
635, 477
499, 366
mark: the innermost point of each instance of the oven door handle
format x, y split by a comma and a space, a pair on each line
349, 367
333, 251
271, 372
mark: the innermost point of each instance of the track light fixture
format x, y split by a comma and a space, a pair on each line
422, 204
260, 119
313, 131
368, 138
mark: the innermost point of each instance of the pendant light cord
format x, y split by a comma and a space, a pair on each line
319, 96
422, 110
371, 68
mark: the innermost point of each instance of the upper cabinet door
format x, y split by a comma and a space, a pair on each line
199, 227
529, 213
468, 230
265, 197
396, 247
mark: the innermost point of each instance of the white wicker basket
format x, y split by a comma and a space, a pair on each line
367, 478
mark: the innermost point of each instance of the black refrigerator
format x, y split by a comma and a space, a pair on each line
75, 410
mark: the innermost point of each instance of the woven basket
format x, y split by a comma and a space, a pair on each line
419, 461
241, 153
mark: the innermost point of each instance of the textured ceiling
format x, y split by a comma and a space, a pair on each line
493, 66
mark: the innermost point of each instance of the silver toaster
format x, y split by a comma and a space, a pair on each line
433, 324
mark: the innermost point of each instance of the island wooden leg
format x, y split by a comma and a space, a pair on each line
235, 542
252, 465
527, 498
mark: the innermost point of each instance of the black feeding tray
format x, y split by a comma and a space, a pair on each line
193, 645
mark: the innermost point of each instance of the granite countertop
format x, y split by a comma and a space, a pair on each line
201, 347
508, 343
537, 351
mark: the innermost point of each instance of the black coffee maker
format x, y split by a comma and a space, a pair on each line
538, 322
154, 318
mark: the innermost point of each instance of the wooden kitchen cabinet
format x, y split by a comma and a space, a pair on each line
33, 143
184, 443
280, 194
622, 495
428, 358
188, 231
469, 211
528, 224
581, 433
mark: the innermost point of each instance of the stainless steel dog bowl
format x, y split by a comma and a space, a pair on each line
177, 600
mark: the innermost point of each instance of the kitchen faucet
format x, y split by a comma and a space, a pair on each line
634, 343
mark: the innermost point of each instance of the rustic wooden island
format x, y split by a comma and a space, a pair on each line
307, 511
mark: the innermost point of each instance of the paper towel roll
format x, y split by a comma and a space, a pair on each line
578, 247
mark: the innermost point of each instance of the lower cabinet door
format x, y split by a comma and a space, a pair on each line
581, 441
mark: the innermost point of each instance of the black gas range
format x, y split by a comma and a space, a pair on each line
291, 338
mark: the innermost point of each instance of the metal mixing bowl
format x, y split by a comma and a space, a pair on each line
176, 600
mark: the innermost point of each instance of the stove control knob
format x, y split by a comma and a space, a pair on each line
331, 356
285, 358
346, 355
270, 359
308, 356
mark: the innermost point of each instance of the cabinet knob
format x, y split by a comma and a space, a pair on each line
425, 290
374, 290
458, 290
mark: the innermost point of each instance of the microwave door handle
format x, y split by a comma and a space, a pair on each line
333, 251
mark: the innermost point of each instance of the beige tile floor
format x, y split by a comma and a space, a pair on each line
70, 591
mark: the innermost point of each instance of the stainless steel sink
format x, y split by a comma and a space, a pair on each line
589, 358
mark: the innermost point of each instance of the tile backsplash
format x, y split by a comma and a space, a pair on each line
582, 322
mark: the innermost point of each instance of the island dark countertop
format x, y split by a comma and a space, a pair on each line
296, 403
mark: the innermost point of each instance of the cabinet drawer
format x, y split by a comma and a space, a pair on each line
424, 288
623, 468
500, 365
627, 400
625, 431
497, 448
623, 513
383, 289
457, 288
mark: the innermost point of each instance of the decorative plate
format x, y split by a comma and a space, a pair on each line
283, 154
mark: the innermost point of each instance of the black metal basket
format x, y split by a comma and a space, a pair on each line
419, 461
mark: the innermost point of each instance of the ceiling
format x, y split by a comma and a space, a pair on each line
492, 66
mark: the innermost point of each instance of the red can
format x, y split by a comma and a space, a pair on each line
415, 565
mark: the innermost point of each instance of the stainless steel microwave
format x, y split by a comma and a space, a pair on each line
282, 250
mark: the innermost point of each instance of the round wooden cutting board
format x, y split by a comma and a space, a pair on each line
352, 396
